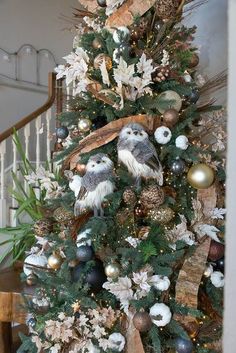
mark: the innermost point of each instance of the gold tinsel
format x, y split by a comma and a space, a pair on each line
62, 215
43, 227
162, 214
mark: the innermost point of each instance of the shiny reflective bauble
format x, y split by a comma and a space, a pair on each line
95, 277
99, 60
84, 125
170, 117
162, 214
31, 279
31, 322
220, 265
173, 101
200, 176
208, 271
97, 44
177, 166
81, 168
183, 346
194, 96
142, 321
84, 253
194, 60
102, 3
55, 261
112, 270
62, 132
216, 251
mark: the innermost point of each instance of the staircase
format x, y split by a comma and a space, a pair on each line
35, 133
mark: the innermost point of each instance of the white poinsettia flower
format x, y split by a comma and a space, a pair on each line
124, 72
134, 242
160, 314
145, 66
104, 72
122, 288
61, 71
218, 213
217, 279
207, 229
55, 349
141, 279
116, 341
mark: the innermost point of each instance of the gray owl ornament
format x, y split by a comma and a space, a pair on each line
138, 154
96, 184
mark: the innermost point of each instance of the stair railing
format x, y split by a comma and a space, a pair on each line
35, 132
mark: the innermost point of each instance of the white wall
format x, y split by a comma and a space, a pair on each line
33, 22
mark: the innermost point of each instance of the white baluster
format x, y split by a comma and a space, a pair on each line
48, 120
27, 136
74, 89
38, 127
13, 208
67, 98
3, 214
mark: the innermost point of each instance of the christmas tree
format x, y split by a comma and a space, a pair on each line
129, 255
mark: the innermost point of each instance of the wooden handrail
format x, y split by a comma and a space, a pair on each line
51, 98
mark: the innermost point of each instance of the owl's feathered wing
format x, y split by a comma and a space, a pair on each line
90, 181
145, 153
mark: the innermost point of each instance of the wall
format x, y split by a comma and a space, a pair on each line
32, 22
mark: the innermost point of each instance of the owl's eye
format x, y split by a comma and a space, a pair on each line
103, 161
141, 134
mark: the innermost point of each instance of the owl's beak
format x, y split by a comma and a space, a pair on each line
136, 132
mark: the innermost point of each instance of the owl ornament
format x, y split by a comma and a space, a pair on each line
138, 154
96, 184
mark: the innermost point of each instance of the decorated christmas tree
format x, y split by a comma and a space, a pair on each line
129, 255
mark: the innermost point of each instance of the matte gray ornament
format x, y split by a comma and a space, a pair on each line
177, 166
183, 346
194, 96
84, 253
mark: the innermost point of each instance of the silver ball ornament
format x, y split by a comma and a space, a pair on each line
102, 3
183, 346
177, 166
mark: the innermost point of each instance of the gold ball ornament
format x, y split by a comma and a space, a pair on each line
194, 61
142, 321
173, 100
84, 125
112, 270
200, 176
99, 60
81, 168
152, 196
54, 261
170, 117
97, 44
162, 214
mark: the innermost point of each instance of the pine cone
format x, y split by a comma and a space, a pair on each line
129, 197
161, 74
143, 232
152, 196
62, 215
166, 9
43, 227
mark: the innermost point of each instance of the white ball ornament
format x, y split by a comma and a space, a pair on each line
217, 279
182, 142
121, 34
116, 342
34, 260
160, 314
163, 135
161, 282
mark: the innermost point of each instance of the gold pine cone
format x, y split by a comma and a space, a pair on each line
152, 196
43, 227
62, 215
129, 197
162, 215
166, 9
